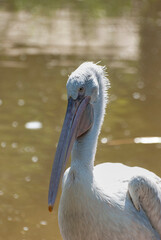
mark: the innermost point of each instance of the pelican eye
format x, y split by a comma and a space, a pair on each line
81, 89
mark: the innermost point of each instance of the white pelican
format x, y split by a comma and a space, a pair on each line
110, 201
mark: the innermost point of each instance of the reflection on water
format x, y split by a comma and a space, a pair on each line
66, 33
37, 55
142, 140
33, 125
147, 140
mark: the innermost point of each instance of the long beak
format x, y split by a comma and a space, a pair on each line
78, 120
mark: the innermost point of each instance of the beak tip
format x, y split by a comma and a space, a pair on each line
50, 208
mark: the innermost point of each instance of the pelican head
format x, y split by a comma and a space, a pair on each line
86, 91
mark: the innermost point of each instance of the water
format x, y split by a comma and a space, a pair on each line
37, 53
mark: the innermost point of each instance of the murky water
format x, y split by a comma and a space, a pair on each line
37, 53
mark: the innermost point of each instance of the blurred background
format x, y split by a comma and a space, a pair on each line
41, 43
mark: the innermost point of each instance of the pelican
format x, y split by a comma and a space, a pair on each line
109, 201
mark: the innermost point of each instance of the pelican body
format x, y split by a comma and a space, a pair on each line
110, 201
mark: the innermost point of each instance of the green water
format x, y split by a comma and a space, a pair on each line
37, 53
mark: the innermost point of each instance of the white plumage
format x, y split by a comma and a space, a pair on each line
110, 201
